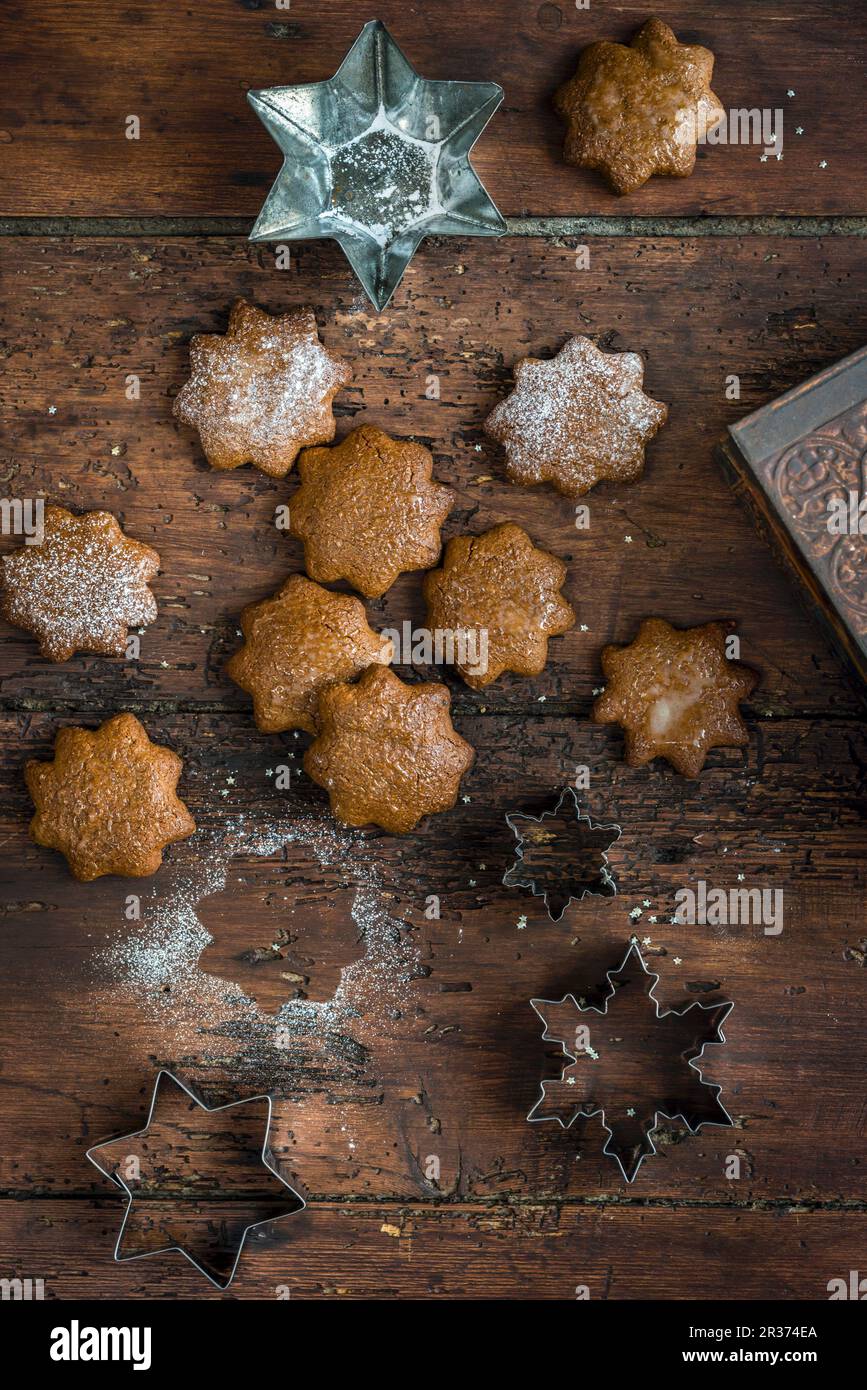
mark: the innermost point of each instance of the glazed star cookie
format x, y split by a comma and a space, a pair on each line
107, 801
82, 588
297, 643
499, 595
640, 110
368, 510
263, 391
576, 420
675, 694
387, 752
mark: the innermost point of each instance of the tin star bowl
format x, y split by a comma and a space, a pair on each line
377, 158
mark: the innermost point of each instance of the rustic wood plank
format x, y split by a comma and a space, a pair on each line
444, 1058
537, 1251
77, 68
85, 314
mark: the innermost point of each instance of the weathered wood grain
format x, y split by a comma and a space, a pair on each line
86, 315
404, 1068
446, 1064
75, 69
536, 1251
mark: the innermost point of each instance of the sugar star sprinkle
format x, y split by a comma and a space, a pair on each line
377, 158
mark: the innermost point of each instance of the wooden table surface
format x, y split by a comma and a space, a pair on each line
404, 1066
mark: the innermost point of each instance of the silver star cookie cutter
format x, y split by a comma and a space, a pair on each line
117, 1178
377, 158
724, 1008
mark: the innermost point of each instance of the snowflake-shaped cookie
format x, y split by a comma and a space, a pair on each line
368, 510
262, 391
82, 587
298, 642
387, 752
108, 801
675, 694
500, 595
576, 420
635, 111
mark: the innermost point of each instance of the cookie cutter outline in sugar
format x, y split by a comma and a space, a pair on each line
605, 876
313, 122
693, 1062
211, 1109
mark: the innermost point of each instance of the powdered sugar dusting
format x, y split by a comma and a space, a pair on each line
384, 182
155, 961
82, 587
257, 396
578, 418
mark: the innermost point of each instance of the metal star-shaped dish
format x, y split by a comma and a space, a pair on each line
377, 158
615, 1064
561, 855
215, 1163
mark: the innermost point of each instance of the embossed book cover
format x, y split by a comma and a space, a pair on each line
800, 464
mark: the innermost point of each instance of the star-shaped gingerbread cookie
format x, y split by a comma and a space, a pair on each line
576, 420
81, 588
640, 110
499, 597
297, 643
368, 510
263, 391
675, 694
107, 801
387, 752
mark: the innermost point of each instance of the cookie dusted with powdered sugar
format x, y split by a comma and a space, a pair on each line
577, 419
82, 588
262, 391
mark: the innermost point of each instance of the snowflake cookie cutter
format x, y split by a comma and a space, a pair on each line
647, 1147
553, 883
116, 1176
